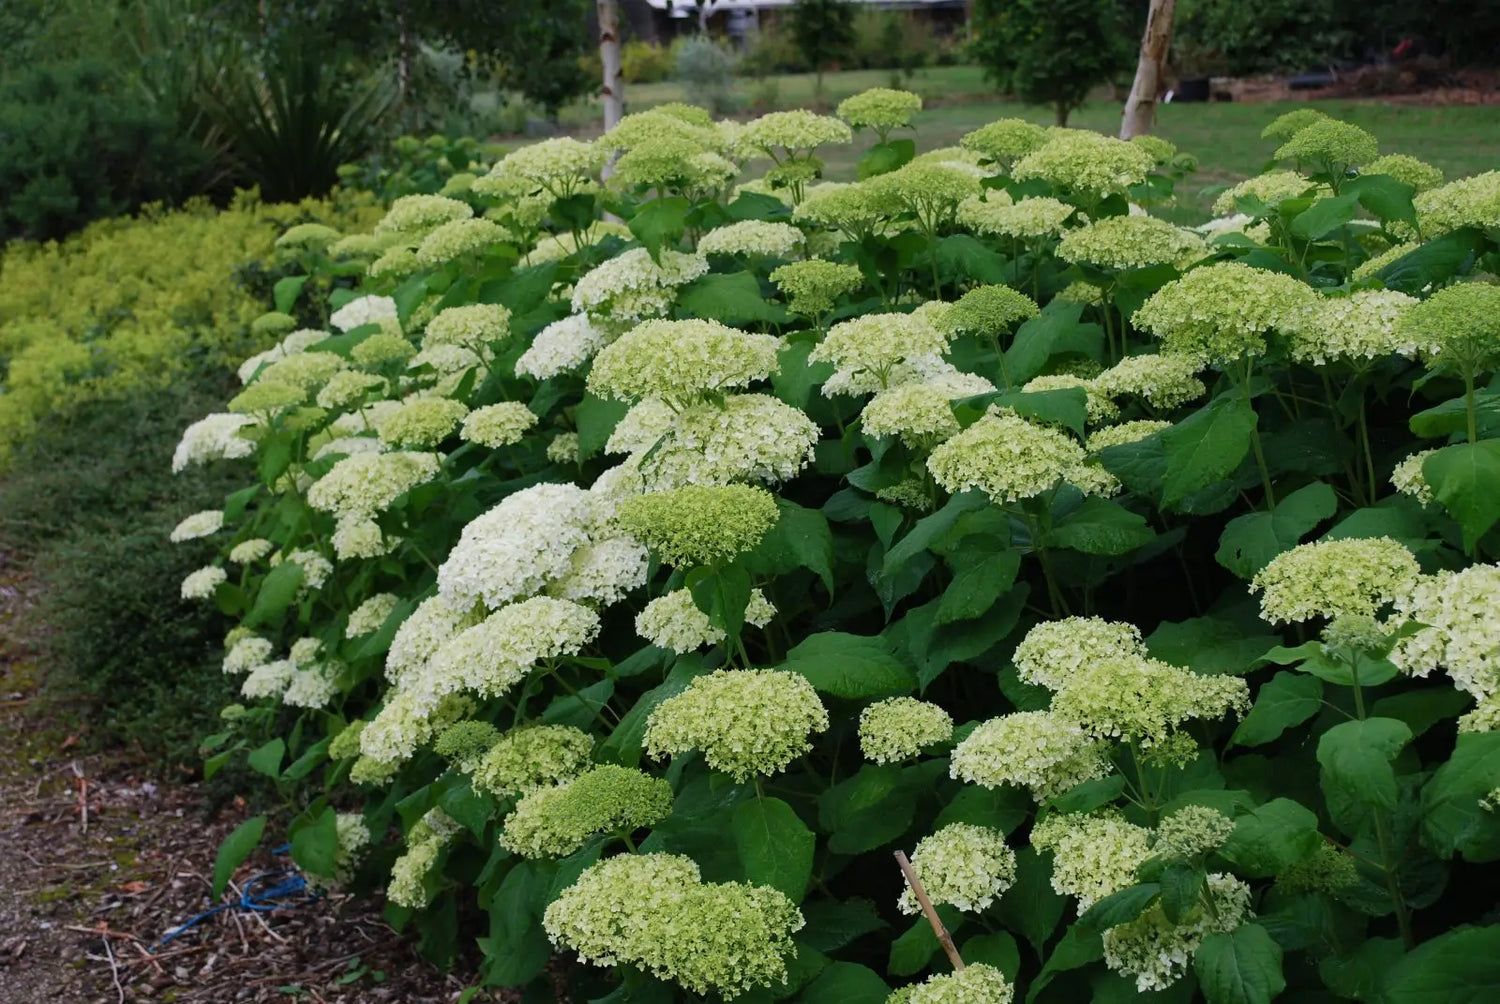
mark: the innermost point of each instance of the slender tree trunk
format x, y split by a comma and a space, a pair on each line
1140, 107
609, 55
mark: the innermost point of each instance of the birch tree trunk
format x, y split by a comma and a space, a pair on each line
609, 55
1140, 107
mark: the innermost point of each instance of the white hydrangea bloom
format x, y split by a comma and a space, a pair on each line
200, 585
199, 524
364, 310
215, 437
560, 347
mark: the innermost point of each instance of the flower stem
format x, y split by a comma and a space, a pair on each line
1469, 406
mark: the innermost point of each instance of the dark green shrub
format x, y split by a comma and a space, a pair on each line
1051, 52
1243, 37
824, 32
645, 62
892, 40
74, 148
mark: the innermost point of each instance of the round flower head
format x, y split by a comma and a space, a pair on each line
1054, 651
1126, 242
554, 822
1037, 750
459, 238
267, 398
976, 983
1332, 145
422, 421
1467, 202
423, 632
563, 448
900, 728
1162, 381
409, 874
417, 215
746, 437
1191, 832
497, 425
559, 166
315, 568
1027, 220
371, 614
1220, 313
655, 125
273, 324
1006, 457
1099, 408
853, 210
881, 109
1461, 634
631, 286
602, 572
963, 865
673, 163
364, 310
199, 524
1408, 479
700, 524
200, 585
1006, 140
1093, 856
876, 343
679, 361
313, 686
931, 191
497, 653
216, 437
990, 310
382, 349
533, 757
473, 326
397, 261
1327, 869
1160, 150
674, 621
1406, 169
1157, 951
1271, 188
746, 721
247, 653
793, 131
1458, 326
268, 680
1283, 127
1124, 433
247, 552
367, 483
349, 388
1361, 326
921, 413
1335, 578
1085, 162
560, 347
753, 238
812, 286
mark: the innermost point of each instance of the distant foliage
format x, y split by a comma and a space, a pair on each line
1051, 52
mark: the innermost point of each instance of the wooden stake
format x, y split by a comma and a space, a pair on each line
944, 938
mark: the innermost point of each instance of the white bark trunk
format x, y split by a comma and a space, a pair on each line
609, 55
1140, 107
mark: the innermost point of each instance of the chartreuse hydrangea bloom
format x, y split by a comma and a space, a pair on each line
563, 448
421, 421
1094, 855
497, 653
1006, 457
346, 744
1126, 242
962, 865
533, 757
452, 241
1406, 169
554, 822
382, 350
1027, 220
247, 552
1460, 632
497, 425
1036, 750
417, 215
268, 679
745, 437
602, 572
792, 131
1271, 188
465, 743
1219, 314
1467, 202
349, 388
1160, 150
267, 398
199, 524
990, 311
1283, 127
560, 166
976, 983
1359, 327
1458, 327
853, 210
1408, 479
876, 343
1157, 951
1191, 832
1005, 140
680, 361
273, 324
753, 238
901, 728
653, 911
1098, 407
200, 585
1124, 433
397, 261
812, 286
674, 621
882, 109
1333, 146
632, 286
247, 653
371, 614
1327, 869
1085, 163
473, 326
673, 164
747, 722
1366, 269
1335, 578
366, 483
921, 413
1162, 381
560, 347
932, 192
700, 524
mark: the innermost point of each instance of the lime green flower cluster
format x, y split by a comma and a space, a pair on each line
632, 286
1457, 327
1467, 202
1365, 325
1191, 832
1126, 242
882, 109
1335, 578
812, 286
1006, 457
465, 744
1036, 750
554, 822
497, 425
1271, 188
1161, 381
963, 865
1286, 125
533, 757
561, 166
752, 238
1094, 855
1028, 220
876, 343
901, 728
415, 216
1099, 409
1124, 433
974, 984
458, 239
929, 191
421, 421
682, 361
1219, 314
921, 413
1005, 141
1085, 163
474, 326
675, 623
1332, 145
852, 210
700, 524
1406, 169
371, 614
747, 722
1157, 951
990, 310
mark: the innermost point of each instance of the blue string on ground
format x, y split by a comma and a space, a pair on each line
260, 894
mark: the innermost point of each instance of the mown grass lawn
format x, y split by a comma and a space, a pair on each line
1225, 137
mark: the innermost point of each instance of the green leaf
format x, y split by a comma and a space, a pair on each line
980, 577
1057, 330
277, 591
236, 847
930, 529
851, 666
1434, 263
1355, 758
998, 950
1454, 820
1078, 947
1120, 908
315, 846
1089, 795
1205, 447
883, 158
1099, 526
733, 297
1031, 907
1249, 542
658, 222
1386, 198
1466, 480
774, 845
832, 924
1422, 709
1287, 699
1272, 837
1181, 883
846, 983
286, 291
1213, 646
596, 419
970, 258
1324, 217
800, 539
911, 952
1241, 967
517, 949
267, 759
1453, 416
624, 744
1461, 966
723, 593
1003, 810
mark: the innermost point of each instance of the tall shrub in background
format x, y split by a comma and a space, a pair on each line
824, 32
1051, 52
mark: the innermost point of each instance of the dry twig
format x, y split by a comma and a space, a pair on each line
944, 938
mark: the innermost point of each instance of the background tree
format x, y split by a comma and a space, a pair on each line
1050, 52
823, 31
1150, 69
